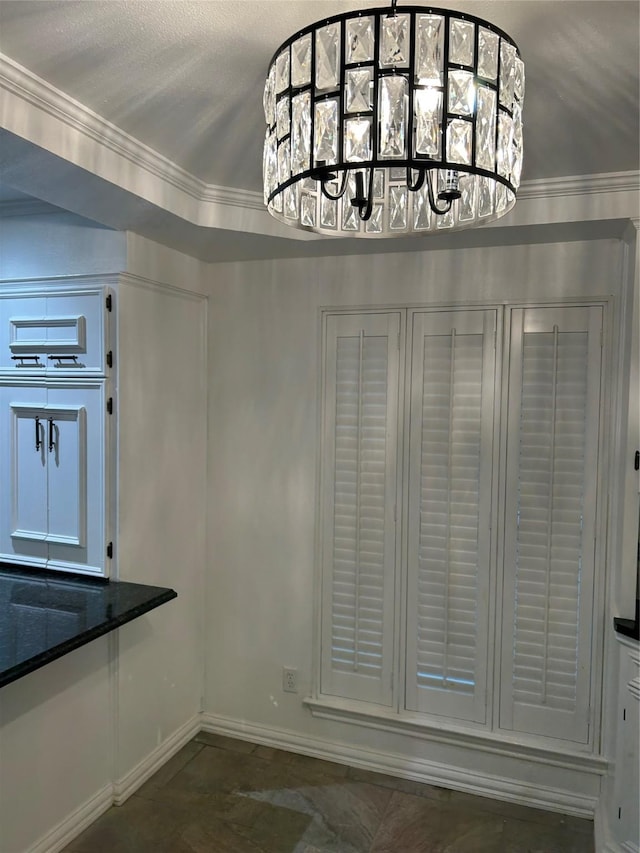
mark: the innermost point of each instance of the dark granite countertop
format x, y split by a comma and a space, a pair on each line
44, 614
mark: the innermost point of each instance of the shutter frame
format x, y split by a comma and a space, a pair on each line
359, 485
536, 525
443, 646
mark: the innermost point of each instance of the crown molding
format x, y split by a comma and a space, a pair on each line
26, 85
16, 79
606, 182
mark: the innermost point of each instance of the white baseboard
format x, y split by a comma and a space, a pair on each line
75, 823
116, 793
417, 769
126, 786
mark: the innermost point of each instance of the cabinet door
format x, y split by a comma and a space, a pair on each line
75, 481
52, 509
23, 474
60, 334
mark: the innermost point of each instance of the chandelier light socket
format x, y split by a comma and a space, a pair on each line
375, 116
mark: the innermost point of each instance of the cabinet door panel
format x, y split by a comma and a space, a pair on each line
23, 474
67, 476
19, 317
75, 333
76, 531
63, 333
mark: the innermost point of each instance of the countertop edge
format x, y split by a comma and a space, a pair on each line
32, 664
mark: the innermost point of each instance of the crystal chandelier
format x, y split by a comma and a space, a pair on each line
386, 122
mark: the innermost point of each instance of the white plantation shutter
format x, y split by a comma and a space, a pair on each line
552, 461
360, 412
450, 461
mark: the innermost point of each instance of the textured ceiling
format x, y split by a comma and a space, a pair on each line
186, 77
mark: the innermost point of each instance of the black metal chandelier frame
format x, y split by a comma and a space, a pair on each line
419, 167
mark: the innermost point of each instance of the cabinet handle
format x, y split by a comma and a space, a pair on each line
23, 358
38, 442
73, 358
51, 442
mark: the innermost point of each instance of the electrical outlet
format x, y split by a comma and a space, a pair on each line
289, 679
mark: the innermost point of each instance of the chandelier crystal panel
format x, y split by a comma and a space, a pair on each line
393, 121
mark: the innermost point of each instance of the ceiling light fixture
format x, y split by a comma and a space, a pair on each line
386, 122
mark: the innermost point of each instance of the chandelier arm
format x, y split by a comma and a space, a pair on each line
419, 182
365, 206
432, 202
341, 191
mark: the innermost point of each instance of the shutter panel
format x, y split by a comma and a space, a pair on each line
551, 478
450, 460
358, 504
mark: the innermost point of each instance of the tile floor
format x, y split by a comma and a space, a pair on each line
220, 795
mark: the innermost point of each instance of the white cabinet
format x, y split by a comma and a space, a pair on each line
55, 400
626, 817
60, 333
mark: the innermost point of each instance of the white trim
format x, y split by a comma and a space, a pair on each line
128, 784
134, 280
75, 823
18, 80
66, 284
553, 753
580, 185
402, 766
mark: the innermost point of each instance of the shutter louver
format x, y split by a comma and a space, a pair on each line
451, 438
552, 472
359, 543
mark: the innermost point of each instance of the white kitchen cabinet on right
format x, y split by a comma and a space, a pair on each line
626, 816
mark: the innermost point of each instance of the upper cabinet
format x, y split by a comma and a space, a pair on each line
60, 333
56, 401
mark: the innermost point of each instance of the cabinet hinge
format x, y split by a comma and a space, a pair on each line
110, 405
108, 302
624, 714
110, 550
110, 358
619, 812
636, 461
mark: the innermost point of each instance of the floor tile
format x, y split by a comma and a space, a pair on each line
169, 770
420, 825
407, 786
138, 826
270, 753
342, 817
517, 811
522, 836
211, 835
222, 742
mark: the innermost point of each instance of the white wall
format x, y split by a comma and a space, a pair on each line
52, 244
161, 509
82, 729
89, 728
263, 366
